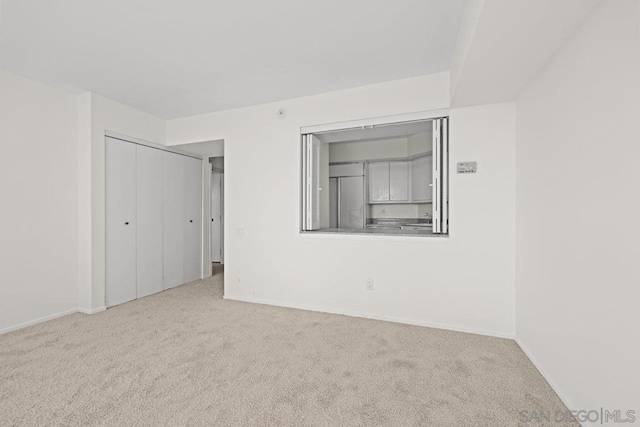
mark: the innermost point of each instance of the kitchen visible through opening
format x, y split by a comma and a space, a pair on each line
388, 179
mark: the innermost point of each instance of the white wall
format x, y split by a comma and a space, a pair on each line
419, 143
462, 282
38, 176
503, 44
578, 144
104, 115
368, 150
380, 148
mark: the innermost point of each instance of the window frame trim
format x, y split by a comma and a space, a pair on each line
375, 121
396, 119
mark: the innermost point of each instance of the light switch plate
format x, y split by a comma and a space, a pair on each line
467, 167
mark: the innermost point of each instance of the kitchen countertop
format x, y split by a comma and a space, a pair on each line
376, 232
396, 222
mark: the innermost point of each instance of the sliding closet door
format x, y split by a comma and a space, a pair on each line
149, 224
121, 221
173, 213
192, 219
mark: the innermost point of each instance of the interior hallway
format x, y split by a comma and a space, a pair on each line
188, 357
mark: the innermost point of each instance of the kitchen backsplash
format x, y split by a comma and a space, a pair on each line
400, 210
425, 208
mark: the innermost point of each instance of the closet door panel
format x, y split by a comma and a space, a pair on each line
149, 224
121, 221
173, 219
193, 219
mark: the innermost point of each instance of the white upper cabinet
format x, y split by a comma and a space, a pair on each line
421, 179
402, 181
379, 182
399, 181
389, 182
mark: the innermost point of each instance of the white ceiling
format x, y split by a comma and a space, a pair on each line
176, 58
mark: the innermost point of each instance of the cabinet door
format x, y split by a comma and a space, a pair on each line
120, 187
192, 219
149, 220
421, 179
399, 181
379, 182
173, 219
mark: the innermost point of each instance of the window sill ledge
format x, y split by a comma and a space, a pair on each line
372, 232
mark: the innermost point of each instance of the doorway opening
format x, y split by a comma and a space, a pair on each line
216, 235
212, 152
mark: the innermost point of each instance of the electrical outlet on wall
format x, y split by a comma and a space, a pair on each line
369, 285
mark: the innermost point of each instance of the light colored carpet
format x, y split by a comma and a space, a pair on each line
188, 357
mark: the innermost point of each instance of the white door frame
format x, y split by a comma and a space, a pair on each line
222, 218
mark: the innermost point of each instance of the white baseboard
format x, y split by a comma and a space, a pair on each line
51, 317
36, 321
561, 394
92, 311
372, 316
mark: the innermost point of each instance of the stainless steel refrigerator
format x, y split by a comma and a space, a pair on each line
346, 202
